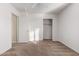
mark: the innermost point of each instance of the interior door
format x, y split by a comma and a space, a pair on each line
47, 29
14, 28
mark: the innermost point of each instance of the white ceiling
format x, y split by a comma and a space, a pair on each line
39, 7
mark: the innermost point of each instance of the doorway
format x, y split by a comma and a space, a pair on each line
47, 29
14, 29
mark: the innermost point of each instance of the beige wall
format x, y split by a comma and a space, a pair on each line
28, 23
68, 26
6, 26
